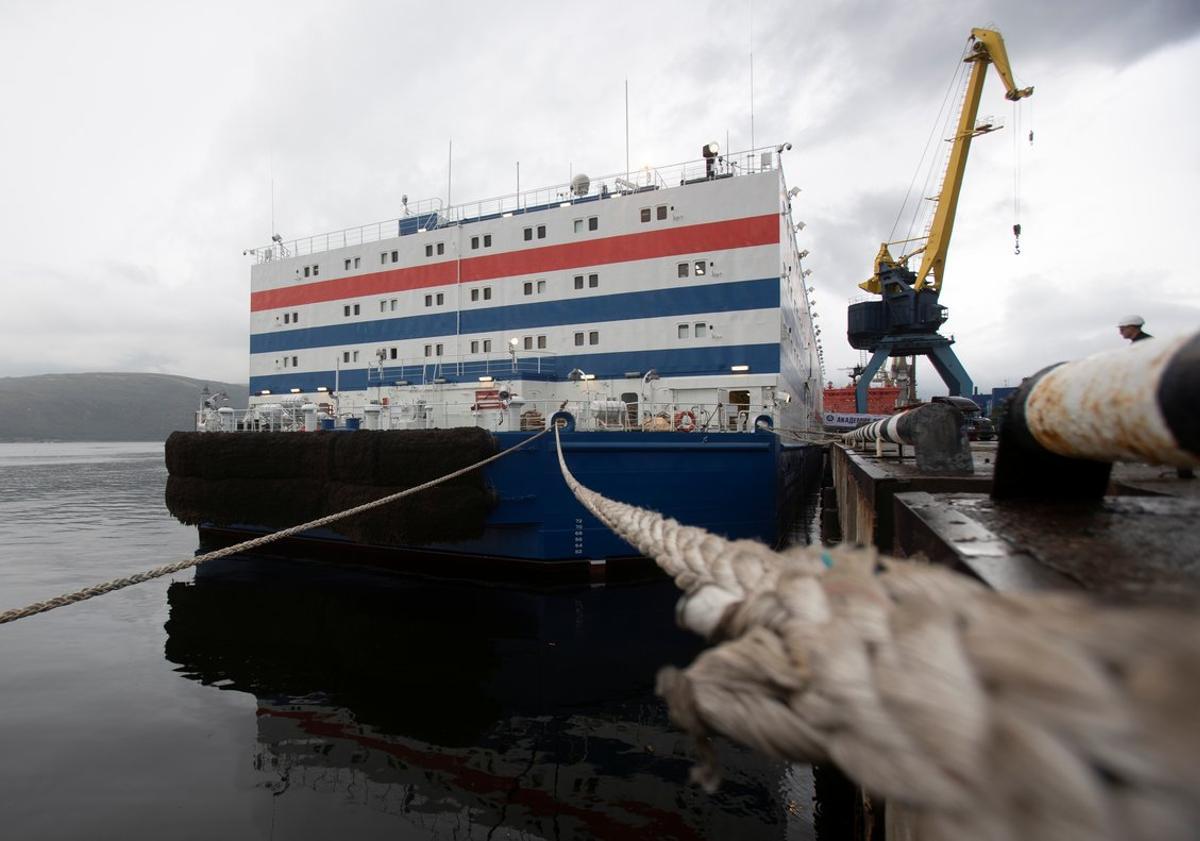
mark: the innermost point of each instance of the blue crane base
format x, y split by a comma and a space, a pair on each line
933, 345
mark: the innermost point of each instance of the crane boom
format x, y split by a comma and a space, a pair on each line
987, 47
905, 322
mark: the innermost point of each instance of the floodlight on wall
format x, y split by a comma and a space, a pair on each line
486, 379
792, 193
803, 254
739, 369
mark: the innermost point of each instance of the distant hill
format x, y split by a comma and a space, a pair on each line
102, 407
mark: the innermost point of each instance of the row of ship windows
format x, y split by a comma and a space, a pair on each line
698, 268
590, 223
589, 337
698, 329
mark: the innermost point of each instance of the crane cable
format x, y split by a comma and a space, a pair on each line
937, 120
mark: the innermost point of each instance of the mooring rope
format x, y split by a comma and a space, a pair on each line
179, 566
975, 714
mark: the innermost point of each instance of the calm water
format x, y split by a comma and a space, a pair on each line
280, 699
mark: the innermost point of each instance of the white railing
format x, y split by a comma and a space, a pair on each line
428, 214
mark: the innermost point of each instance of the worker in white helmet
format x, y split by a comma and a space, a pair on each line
1131, 328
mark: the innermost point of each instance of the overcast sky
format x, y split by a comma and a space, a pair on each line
140, 141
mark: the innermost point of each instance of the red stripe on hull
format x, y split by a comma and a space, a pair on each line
710, 236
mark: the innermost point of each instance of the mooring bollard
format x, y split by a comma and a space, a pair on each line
1067, 424
936, 431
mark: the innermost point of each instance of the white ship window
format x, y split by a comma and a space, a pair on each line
355, 356
429, 350
487, 240
347, 262
594, 337
682, 269
578, 339
528, 287
593, 223
645, 214
578, 281
701, 329
346, 356
541, 231
346, 311
287, 318
593, 281
392, 353
441, 248
429, 300
474, 294
487, 293
285, 362
441, 299
474, 242
429, 250
357, 262
383, 306
487, 345
295, 318
307, 269
528, 234
438, 350
383, 258
541, 286
578, 226
660, 212
475, 346
683, 331
395, 256
316, 270
356, 309
701, 268
295, 361
541, 342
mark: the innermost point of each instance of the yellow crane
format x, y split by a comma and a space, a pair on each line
906, 321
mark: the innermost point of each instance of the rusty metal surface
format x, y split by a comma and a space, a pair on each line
1125, 548
1152, 480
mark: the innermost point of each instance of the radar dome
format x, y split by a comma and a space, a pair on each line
580, 185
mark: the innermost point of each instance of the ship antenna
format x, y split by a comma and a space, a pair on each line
751, 74
449, 171
626, 128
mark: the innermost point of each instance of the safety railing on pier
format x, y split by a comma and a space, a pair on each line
431, 213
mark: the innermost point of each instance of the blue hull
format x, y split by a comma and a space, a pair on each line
738, 485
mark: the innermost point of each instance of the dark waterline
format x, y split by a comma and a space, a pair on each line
282, 699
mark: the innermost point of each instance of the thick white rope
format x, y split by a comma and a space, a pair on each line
167, 569
976, 714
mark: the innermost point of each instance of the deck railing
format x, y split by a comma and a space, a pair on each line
431, 213
601, 414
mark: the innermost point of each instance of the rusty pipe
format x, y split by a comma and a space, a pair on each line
936, 430
1067, 424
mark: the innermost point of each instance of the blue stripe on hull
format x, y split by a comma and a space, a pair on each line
762, 359
714, 297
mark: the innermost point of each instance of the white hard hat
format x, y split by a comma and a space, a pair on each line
1131, 321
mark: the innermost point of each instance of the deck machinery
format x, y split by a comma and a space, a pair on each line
905, 321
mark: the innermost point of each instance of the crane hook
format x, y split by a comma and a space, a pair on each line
1017, 238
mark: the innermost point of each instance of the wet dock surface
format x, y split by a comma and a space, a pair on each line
1139, 543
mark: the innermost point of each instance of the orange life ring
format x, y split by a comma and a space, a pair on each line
685, 421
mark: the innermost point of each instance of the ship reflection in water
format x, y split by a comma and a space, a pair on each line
439, 710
